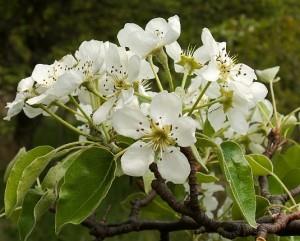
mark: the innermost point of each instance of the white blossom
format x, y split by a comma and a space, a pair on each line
158, 33
157, 137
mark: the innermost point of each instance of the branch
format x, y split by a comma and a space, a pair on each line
274, 143
280, 223
139, 203
192, 179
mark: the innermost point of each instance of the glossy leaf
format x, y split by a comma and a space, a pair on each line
198, 157
20, 153
260, 164
11, 196
57, 172
86, 184
239, 177
206, 178
261, 207
34, 208
31, 173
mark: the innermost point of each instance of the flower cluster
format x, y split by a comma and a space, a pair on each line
127, 94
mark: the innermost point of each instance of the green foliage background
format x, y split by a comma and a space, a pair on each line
262, 33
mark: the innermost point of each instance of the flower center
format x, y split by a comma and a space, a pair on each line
160, 137
225, 64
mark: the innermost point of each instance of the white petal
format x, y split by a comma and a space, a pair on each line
66, 83
216, 116
210, 203
137, 158
127, 95
25, 84
183, 131
209, 42
15, 107
157, 25
41, 99
259, 91
101, 114
40, 72
211, 72
88, 110
134, 65
174, 166
84, 95
238, 121
91, 50
31, 112
174, 51
130, 122
138, 40
202, 54
165, 108
112, 58
146, 71
243, 73
173, 31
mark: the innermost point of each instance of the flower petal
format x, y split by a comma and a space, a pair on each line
216, 116
183, 131
237, 120
137, 158
243, 73
130, 122
134, 64
174, 51
211, 72
25, 84
136, 39
174, 166
165, 107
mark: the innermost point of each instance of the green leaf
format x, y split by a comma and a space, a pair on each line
86, 184
198, 157
206, 178
57, 172
11, 197
261, 206
208, 130
34, 207
20, 153
147, 179
32, 172
260, 164
292, 178
239, 177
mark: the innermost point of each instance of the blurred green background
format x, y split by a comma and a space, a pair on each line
262, 33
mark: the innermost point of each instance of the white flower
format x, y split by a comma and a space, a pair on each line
233, 108
158, 33
222, 67
24, 91
46, 75
54, 81
90, 57
63, 86
210, 203
189, 60
157, 134
124, 74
